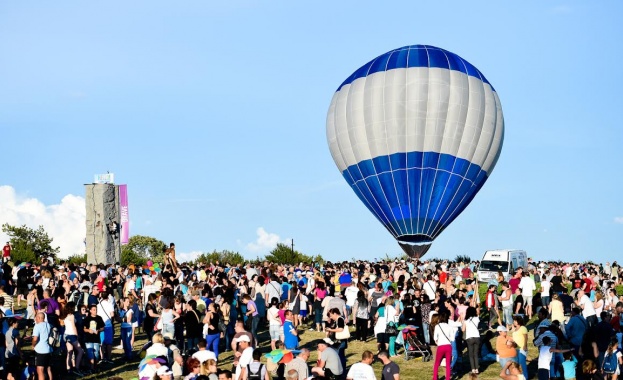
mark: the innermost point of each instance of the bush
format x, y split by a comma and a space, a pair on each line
77, 259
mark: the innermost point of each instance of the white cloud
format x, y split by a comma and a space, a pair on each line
265, 241
618, 219
64, 222
183, 257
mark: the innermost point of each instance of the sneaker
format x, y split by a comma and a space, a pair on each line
119, 347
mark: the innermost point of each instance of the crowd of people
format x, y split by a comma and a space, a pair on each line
193, 313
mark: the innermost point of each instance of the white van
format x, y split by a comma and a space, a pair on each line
501, 260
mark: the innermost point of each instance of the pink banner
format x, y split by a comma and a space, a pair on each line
125, 216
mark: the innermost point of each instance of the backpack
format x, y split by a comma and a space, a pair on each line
611, 362
255, 375
54, 338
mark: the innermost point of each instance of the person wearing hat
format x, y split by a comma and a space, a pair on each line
505, 347
246, 358
329, 364
163, 373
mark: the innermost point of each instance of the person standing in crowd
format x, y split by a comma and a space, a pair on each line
588, 311
252, 315
43, 351
211, 322
106, 310
443, 335
93, 326
74, 350
13, 352
291, 339
6, 252
472, 337
361, 313
520, 337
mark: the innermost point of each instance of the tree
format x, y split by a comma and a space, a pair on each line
223, 257
142, 248
29, 244
282, 254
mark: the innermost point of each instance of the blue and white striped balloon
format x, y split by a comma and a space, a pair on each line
416, 132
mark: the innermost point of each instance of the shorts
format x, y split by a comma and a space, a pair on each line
106, 336
303, 313
43, 360
93, 350
382, 338
12, 366
22, 292
274, 331
528, 300
71, 339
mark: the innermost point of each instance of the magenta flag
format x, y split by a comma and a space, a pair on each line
125, 215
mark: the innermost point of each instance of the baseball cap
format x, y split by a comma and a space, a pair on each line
501, 328
243, 338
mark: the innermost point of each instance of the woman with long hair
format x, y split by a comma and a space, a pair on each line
361, 311
192, 321
443, 336
320, 292
294, 303
213, 335
472, 337
74, 351
126, 313
391, 316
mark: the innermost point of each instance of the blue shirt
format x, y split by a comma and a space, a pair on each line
290, 340
569, 367
42, 332
575, 329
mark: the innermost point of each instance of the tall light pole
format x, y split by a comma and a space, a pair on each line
292, 249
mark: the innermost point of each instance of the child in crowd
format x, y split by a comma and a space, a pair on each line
569, 365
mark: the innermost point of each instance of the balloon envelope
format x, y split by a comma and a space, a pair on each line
416, 132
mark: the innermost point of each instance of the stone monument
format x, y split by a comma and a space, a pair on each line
103, 244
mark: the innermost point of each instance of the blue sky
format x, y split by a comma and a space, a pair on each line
214, 115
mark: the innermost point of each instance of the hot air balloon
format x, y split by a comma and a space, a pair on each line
416, 132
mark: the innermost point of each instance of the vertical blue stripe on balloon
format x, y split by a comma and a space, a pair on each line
415, 193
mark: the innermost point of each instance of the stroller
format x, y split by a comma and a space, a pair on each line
413, 346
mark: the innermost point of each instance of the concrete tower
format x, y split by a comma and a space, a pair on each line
103, 223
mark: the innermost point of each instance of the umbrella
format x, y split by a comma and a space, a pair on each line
150, 360
281, 355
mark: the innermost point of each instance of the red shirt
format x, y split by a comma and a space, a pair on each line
6, 251
588, 283
443, 277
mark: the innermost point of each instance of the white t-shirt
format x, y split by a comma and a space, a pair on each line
545, 357
361, 371
203, 355
527, 286
588, 308
245, 359
351, 295
105, 310
545, 285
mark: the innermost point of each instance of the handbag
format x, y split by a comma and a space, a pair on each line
344, 334
158, 325
391, 329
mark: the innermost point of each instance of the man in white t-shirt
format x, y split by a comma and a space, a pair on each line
528, 287
362, 370
588, 310
247, 355
429, 287
204, 354
106, 310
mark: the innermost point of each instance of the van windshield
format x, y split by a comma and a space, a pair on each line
494, 266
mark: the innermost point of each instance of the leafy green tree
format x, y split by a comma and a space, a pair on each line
142, 248
77, 259
29, 244
283, 254
223, 257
